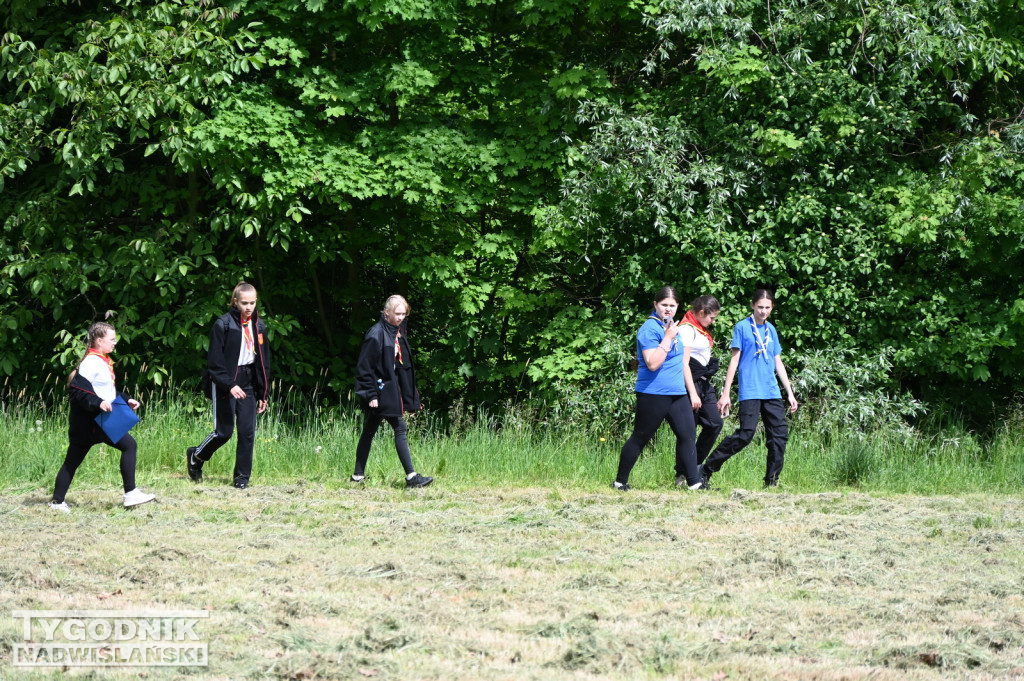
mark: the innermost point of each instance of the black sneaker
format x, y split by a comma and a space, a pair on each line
193, 465
418, 481
241, 484
620, 486
705, 477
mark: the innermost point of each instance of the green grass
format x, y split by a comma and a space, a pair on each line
306, 581
301, 440
883, 556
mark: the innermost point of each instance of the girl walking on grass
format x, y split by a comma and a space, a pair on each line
695, 333
386, 386
91, 390
661, 394
757, 355
238, 373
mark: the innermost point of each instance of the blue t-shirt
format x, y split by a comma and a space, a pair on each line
668, 379
758, 350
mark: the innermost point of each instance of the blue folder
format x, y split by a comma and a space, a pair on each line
117, 422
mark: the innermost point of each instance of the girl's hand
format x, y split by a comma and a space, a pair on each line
106, 406
261, 406
237, 393
373, 404
724, 404
134, 404
695, 401
671, 330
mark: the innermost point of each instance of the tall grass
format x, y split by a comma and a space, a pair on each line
313, 439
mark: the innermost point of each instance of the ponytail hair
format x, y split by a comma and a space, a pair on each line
705, 304
666, 292
242, 287
96, 331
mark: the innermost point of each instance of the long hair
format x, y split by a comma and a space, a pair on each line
96, 331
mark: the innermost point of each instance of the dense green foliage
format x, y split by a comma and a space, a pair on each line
527, 173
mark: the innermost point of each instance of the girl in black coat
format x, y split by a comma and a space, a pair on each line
91, 390
386, 387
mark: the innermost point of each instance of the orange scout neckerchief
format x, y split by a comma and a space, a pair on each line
691, 319
109, 362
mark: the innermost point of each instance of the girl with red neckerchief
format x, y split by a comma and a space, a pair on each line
701, 365
91, 389
238, 373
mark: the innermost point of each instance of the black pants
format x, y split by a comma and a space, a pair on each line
776, 434
227, 411
79, 446
651, 410
708, 418
371, 423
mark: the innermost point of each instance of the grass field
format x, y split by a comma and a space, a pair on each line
882, 556
308, 581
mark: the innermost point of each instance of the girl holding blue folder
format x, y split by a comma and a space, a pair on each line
91, 391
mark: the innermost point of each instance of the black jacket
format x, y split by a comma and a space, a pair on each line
698, 371
85, 404
394, 394
226, 343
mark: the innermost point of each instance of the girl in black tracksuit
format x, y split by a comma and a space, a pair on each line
238, 373
386, 386
91, 390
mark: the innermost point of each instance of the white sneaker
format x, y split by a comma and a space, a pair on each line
62, 506
136, 497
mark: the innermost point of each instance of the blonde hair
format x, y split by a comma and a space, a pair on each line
391, 303
243, 287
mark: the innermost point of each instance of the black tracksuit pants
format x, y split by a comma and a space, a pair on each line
227, 413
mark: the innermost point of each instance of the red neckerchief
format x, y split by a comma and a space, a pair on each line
398, 349
691, 319
109, 362
247, 332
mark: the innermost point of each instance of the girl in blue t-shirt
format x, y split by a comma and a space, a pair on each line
661, 387
757, 355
